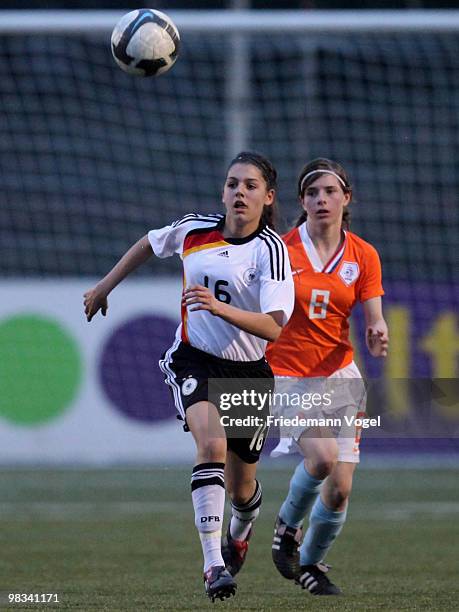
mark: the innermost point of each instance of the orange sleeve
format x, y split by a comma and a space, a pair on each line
370, 281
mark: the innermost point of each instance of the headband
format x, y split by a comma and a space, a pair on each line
322, 172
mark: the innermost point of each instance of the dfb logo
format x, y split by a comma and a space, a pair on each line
209, 519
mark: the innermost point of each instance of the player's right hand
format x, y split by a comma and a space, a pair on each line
95, 300
378, 340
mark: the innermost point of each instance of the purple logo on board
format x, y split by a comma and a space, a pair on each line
129, 371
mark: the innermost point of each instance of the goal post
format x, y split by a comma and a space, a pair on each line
307, 21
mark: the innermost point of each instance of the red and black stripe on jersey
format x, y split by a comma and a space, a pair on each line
203, 238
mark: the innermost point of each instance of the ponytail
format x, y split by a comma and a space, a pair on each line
301, 219
269, 216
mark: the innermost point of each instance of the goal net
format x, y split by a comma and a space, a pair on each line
91, 158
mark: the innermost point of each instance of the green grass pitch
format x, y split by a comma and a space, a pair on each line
125, 540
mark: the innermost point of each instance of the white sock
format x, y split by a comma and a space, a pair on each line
240, 527
208, 493
245, 514
211, 548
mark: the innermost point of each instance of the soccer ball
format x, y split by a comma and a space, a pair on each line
145, 42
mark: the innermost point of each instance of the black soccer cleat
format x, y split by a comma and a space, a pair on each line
313, 578
234, 552
285, 553
219, 583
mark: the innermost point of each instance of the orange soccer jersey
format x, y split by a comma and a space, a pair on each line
315, 342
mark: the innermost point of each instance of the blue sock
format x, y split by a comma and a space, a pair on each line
301, 494
324, 526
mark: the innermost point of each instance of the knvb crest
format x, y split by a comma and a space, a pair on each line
349, 272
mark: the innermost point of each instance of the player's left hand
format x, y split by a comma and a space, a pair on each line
200, 298
377, 338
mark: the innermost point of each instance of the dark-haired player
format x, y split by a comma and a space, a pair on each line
237, 296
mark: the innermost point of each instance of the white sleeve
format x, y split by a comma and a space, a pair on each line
168, 240
277, 290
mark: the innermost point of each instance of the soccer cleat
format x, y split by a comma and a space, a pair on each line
234, 552
286, 556
313, 578
219, 583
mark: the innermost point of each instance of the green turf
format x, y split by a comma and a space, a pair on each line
125, 540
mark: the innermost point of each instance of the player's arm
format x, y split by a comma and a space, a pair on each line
96, 299
264, 325
376, 333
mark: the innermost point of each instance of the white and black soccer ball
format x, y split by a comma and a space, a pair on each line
145, 42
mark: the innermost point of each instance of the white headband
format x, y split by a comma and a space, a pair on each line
322, 172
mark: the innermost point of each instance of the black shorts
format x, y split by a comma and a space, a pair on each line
187, 371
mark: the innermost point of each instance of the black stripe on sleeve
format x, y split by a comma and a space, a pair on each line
266, 241
282, 248
211, 218
277, 254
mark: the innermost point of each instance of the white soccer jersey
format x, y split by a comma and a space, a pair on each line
251, 273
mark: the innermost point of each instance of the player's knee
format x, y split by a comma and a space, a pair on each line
212, 450
321, 466
339, 495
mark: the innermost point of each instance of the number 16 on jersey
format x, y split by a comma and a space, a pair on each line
220, 294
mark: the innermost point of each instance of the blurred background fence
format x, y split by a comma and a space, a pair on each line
90, 159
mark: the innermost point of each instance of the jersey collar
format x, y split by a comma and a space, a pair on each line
313, 256
248, 238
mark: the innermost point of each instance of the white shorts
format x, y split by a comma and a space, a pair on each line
332, 402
